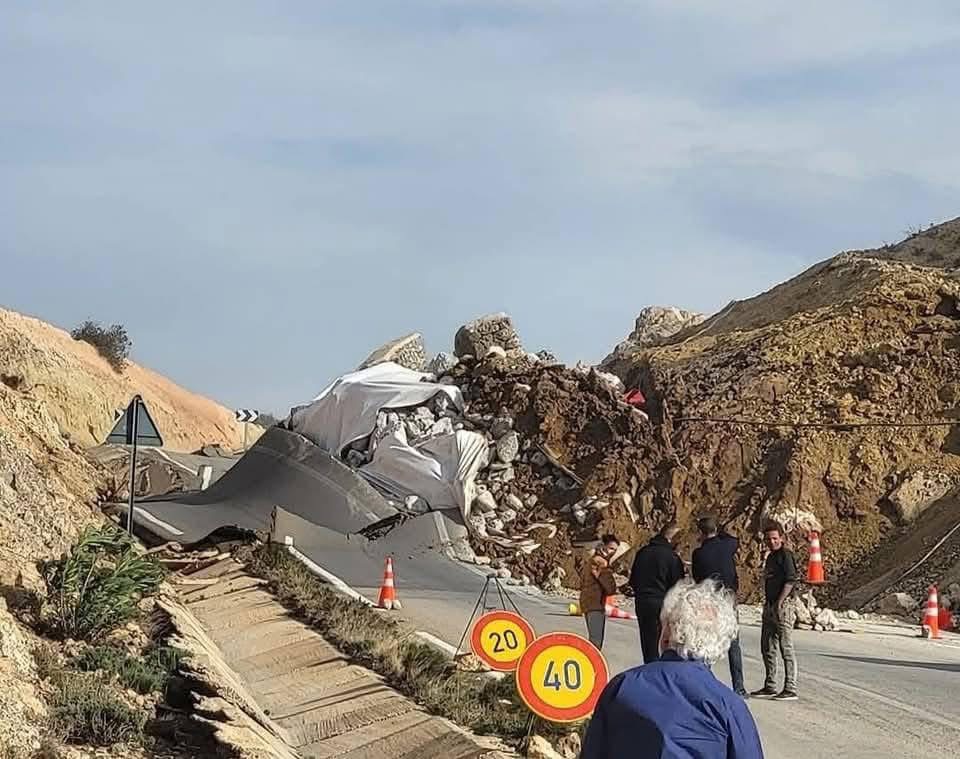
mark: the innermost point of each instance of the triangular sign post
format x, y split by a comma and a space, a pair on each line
135, 421
134, 428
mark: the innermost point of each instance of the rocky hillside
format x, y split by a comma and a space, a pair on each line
807, 403
82, 391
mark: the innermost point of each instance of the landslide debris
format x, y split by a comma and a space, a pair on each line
866, 338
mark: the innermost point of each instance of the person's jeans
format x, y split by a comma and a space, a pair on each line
735, 659
776, 637
648, 618
596, 626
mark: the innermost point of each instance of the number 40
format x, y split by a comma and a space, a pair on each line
571, 676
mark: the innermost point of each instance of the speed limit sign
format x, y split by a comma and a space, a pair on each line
499, 639
560, 677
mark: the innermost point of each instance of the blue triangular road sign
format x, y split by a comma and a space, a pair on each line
147, 432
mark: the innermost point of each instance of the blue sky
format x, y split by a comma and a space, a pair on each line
264, 192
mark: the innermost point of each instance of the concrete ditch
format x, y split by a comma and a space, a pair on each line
283, 691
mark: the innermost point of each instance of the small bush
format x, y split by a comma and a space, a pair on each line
149, 674
98, 586
85, 710
112, 342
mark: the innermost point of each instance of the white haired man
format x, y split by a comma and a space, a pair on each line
675, 707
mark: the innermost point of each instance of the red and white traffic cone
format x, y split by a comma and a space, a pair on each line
815, 564
388, 592
615, 612
930, 625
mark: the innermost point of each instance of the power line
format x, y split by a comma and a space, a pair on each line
813, 425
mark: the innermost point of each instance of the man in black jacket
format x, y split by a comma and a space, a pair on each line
656, 569
716, 558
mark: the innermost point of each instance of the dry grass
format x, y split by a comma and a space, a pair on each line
484, 705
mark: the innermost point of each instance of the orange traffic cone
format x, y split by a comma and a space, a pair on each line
615, 612
930, 625
388, 592
815, 564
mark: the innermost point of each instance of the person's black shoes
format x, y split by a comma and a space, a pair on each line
786, 695
742, 692
764, 693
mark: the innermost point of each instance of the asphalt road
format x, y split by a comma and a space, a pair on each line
876, 691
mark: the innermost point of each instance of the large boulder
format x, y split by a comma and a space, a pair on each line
654, 326
477, 337
898, 604
920, 491
408, 351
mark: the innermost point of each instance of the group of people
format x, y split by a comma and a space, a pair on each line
673, 705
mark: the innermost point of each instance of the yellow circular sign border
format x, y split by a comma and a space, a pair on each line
476, 635
525, 685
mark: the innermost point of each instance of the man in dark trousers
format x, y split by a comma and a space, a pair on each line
656, 569
716, 559
779, 614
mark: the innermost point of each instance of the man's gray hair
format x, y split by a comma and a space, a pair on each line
701, 620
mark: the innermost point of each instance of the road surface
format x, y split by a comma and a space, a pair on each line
878, 691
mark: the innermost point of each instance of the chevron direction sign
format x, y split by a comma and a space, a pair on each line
247, 415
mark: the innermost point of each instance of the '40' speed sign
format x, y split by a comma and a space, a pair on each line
560, 677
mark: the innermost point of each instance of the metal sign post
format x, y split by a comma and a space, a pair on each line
246, 415
133, 421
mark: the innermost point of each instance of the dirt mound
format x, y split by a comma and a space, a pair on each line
850, 350
587, 461
82, 391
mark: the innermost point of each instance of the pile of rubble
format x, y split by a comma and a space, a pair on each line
566, 458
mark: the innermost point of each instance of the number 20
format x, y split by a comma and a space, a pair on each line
509, 638
571, 676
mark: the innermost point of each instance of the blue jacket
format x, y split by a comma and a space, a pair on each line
671, 709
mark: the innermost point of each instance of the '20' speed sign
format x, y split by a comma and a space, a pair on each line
560, 677
499, 639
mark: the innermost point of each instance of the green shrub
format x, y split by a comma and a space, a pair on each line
112, 342
98, 586
85, 710
145, 675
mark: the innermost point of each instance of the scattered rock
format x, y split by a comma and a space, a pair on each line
569, 746
514, 502
442, 363
827, 619
554, 581
504, 574
508, 446
486, 502
407, 351
500, 426
475, 338
539, 747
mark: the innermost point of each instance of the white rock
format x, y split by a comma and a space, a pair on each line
539, 747
483, 561
613, 380
485, 502
514, 502
898, 603
851, 614
804, 617
478, 524
507, 515
569, 746
920, 491
508, 446
495, 526
827, 619
495, 351
504, 574
554, 580
530, 501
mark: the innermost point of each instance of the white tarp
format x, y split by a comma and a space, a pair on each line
440, 469
347, 410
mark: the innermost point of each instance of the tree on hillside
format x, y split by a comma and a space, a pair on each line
113, 342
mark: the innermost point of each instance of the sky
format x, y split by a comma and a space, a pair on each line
263, 193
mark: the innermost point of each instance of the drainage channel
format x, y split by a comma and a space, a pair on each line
303, 693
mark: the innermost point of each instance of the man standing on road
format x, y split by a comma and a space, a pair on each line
675, 707
779, 614
656, 569
716, 559
596, 583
